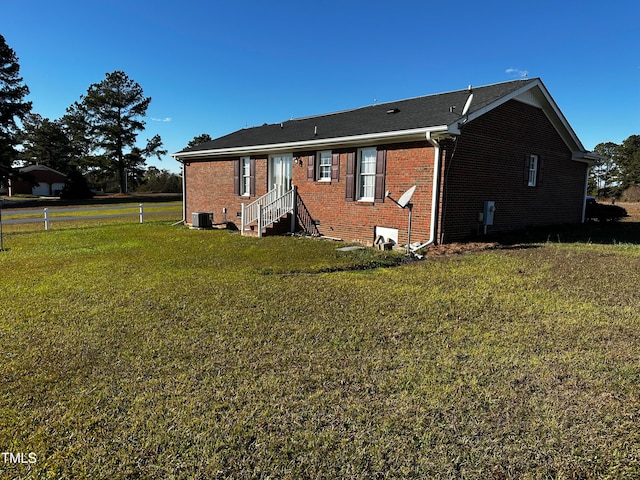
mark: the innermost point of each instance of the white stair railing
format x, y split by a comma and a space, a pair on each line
268, 209
250, 211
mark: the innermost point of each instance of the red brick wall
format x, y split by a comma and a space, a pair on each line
489, 164
406, 165
210, 188
19, 186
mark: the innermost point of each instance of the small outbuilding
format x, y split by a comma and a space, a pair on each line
42, 181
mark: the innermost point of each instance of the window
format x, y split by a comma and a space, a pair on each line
245, 181
533, 170
324, 166
244, 176
366, 173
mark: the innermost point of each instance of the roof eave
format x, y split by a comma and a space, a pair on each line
415, 134
586, 157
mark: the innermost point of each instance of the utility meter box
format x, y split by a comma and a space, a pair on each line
488, 211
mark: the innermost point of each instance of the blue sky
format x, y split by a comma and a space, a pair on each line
217, 66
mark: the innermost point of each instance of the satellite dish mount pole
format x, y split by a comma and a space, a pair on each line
410, 207
405, 202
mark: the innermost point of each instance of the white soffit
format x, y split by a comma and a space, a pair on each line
530, 98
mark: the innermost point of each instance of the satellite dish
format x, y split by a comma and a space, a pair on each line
467, 104
406, 197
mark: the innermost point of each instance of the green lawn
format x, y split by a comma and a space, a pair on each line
150, 351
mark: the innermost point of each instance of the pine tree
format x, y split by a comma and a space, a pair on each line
113, 111
198, 139
604, 173
13, 108
629, 161
46, 142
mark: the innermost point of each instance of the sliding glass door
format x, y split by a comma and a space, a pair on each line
280, 172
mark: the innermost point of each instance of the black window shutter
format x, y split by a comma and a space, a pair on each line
335, 167
311, 168
252, 177
540, 171
236, 176
350, 178
381, 166
527, 167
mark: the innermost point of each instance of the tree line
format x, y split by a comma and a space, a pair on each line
618, 170
94, 143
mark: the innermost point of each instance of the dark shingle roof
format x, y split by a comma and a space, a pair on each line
420, 112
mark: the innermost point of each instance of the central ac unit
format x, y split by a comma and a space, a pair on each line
201, 219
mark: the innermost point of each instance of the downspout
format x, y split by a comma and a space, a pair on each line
184, 194
584, 196
435, 196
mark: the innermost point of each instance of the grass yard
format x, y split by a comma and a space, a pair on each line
150, 351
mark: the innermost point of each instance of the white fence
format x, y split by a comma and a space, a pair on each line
47, 216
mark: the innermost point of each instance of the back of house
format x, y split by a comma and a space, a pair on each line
489, 159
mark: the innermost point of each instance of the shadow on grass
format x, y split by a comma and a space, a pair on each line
604, 233
355, 266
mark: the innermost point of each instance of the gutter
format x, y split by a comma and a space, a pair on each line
336, 142
586, 157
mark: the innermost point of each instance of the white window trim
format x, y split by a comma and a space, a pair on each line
533, 171
359, 175
319, 166
245, 177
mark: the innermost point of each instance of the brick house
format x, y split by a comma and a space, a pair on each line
494, 158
